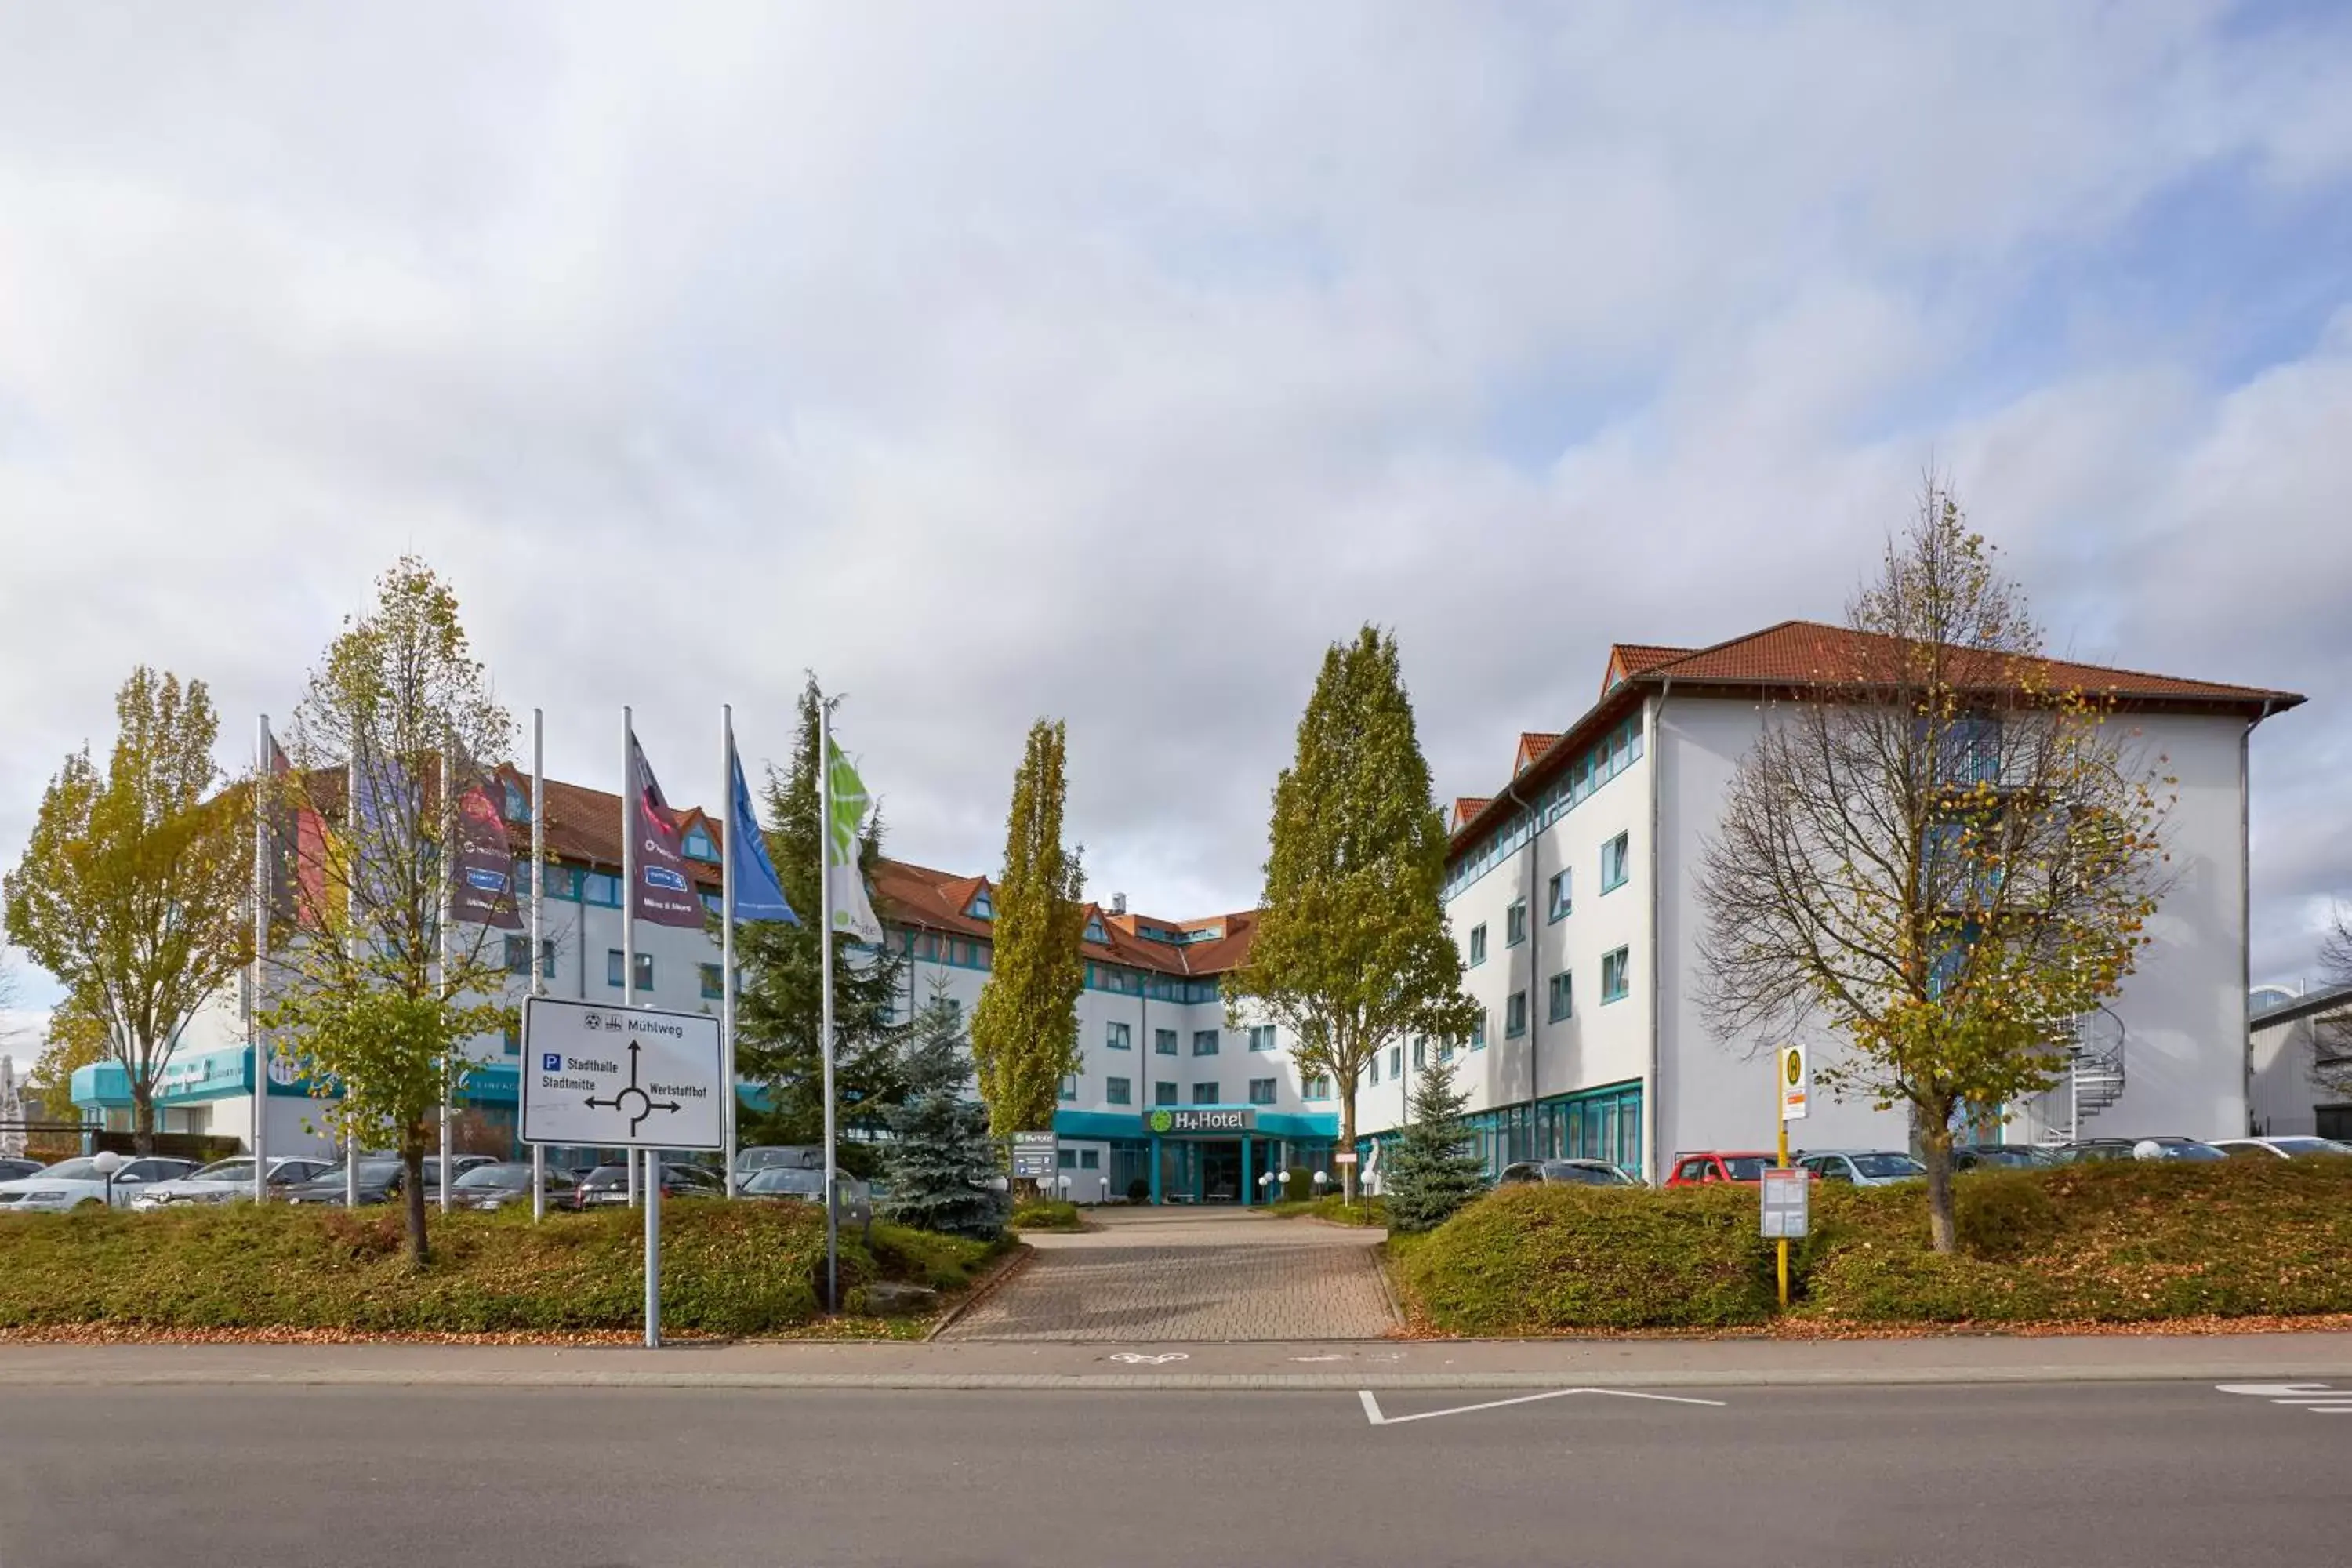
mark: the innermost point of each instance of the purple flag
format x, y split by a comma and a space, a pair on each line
665, 894
484, 890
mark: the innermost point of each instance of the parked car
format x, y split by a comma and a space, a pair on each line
79, 1184
2293, 1148
1744, 1166
381, 1178
609, 1185
1575, 1173
764, 1156
502, 1182
852, 1199
11, 1168
2093, 1150
1862, 1167
2000, 1157
225, 1180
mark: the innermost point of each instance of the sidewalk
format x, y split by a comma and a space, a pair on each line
1349, 1365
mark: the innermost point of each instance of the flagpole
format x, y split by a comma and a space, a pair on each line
445, 935
261, 788
727, 849
825, 1026
629, 897
538, 924
351, 852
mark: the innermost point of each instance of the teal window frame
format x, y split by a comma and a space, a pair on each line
698, 844
1478, 1033
714, 981
1261, 1091
1163, 1092
1206, 1042
1562, 894
1616, 853
1563, 997
1069, 1087
1515, 924
1163, 1043
1317, 1086
1118, 1092
1515, 1015
1477, 944
1116, 1036
981, 908
601, 889
1205, 1094
1261, 1037
1623, 961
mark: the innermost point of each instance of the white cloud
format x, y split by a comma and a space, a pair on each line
1107, 362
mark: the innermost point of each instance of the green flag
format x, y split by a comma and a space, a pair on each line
847, 909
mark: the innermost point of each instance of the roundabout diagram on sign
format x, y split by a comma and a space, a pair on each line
633, 1102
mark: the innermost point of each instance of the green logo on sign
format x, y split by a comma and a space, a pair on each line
1162, 1120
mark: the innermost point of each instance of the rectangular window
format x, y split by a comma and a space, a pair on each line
1515, 924
1089, 1158
1563, 895
1204, 1094
1420, 1052
1563, 996
1069, 1086
1515, 1015
1163, 1094
614, 958
1261, 1091
563, 881
1478, 1035
1163, 1042
1261, 1037
1477, 945
512, 1041
1064, 1159
518, 955
1115, 1036
1117, 1091
713, 981
645, 973
1375, 1065
601, 887
1317, 1086
1613, 856
1396, 1061
1613, 984
1204, 1042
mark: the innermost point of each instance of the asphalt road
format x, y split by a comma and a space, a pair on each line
2139, 1476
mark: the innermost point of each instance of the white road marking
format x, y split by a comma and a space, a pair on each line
2316, 1397
1372, 1404
1132, 1359
1319, 1358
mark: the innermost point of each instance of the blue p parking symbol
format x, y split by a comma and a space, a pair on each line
550, 1062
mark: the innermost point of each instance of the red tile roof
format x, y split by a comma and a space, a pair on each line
1811, 656
1532, 745
1468, 806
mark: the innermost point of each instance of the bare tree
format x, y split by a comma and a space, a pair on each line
2331, 1033
1934, 852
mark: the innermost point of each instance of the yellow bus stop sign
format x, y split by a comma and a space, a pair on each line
1796, 1083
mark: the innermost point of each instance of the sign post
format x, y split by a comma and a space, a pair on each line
1784, 1200
623, 1077
1034, 1154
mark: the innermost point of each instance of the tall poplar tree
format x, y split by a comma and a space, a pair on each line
1351, 951
778, 1014
1025, 1032
133, 887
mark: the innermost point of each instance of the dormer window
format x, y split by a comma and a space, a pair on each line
517, 805
981, 908
697, 846
1094, 932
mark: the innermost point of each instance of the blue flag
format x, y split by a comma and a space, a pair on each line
759, 896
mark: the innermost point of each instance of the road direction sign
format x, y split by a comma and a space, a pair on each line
1033, 1156
1796, 1083
598, 1077
1787, 1196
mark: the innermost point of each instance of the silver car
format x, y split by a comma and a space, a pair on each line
225, 1181
852, 1199
1862, 1167
79, 1184
2293, 1148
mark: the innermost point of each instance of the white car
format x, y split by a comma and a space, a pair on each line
1862, 1167
2279, 1147
79, 1184
224, 1180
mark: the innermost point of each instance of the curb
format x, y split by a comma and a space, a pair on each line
330, 1377
1020, 1259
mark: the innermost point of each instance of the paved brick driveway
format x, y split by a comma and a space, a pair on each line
1167, 1274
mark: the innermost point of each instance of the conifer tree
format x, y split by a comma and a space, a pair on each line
780, 1010
1351, 951
1025, 1033
940, 1161
1434, 1168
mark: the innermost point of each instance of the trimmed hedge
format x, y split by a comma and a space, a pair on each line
2128, 1241
727, 1268
1045, 1214
1542, 1259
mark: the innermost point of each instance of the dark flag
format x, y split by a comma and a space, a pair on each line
665, 893
484, 890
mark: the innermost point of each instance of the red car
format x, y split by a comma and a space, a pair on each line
1722, 1165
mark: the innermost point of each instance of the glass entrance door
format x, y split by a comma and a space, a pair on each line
1220, 1171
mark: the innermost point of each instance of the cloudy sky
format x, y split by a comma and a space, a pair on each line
1106, 360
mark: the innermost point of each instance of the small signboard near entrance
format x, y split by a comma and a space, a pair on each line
1787, 1196
1033, 1156
616, 1077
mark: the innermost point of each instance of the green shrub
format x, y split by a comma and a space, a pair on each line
945, 1263
727, 1268
1540, 1259
1045, 1214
